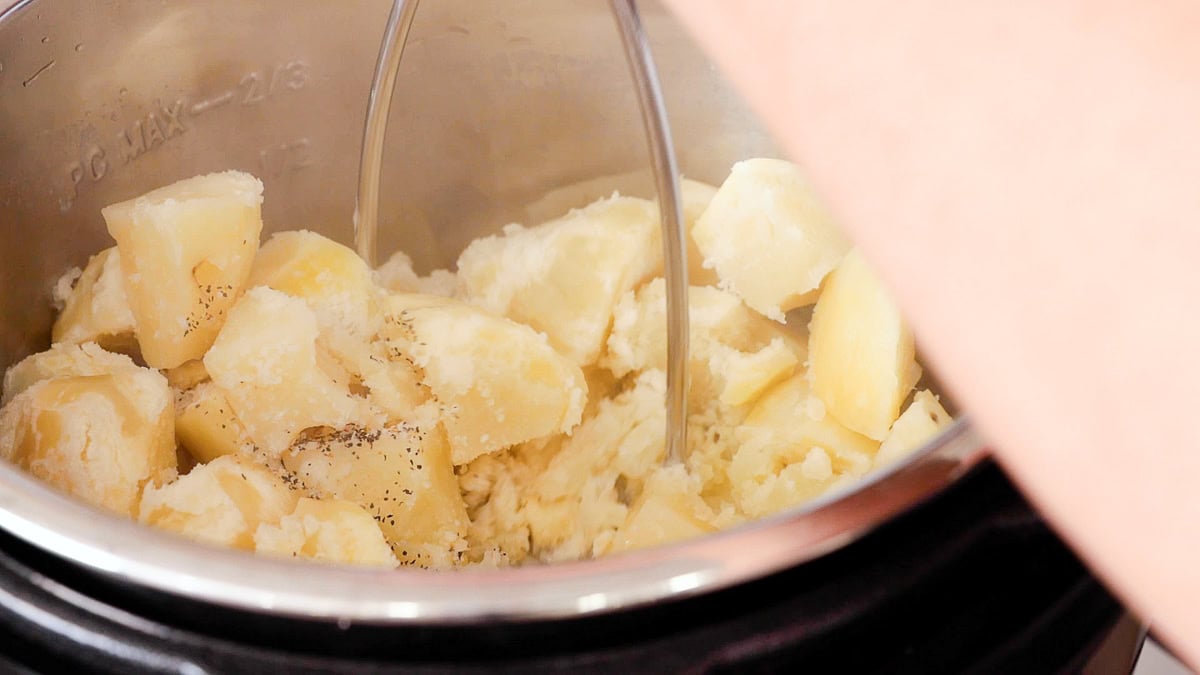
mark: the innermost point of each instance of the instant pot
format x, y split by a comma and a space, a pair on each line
505, 111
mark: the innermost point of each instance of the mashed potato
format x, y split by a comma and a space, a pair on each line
288, 400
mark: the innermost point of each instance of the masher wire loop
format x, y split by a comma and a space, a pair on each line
662, 160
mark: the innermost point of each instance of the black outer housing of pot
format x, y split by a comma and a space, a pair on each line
970, 581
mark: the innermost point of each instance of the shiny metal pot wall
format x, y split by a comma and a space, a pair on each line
498, 103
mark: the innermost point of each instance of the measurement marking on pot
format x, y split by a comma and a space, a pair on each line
38, 73
161, 124
257, 86
286, 157
207, 104
150, 131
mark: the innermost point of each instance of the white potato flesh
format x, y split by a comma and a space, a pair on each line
97, 309
185, 252
330, 531
563, 277
498, 382
265, 362
918, 424
768, 237
101, 438
222, 502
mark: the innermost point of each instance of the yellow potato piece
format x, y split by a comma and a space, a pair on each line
222, 502
919, 423
669, 510
499, 382
97, 309
186, 375
185, 252
64, 360
790, 451
401, 475
563, 277
206, 426
735, 353
265, 362
101, 438
332, 531
768, 237
578, 502
334, 281
862, 361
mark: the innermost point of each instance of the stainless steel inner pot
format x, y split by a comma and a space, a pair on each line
511, 110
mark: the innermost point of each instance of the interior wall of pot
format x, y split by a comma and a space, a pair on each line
497, 104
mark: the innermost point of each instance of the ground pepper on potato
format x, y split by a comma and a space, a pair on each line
508, 412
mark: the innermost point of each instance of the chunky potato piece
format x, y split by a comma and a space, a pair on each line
578, 502
735, 353
397, 275
563, 277
670, 509
98, 437
334, 281
500, 382
187, 375
97, 309
265, 362
862, 361
333, 531
222, 502
919, 423
402, 476
790, 451
768, 237
185, 252
64, 360
206, 426
391, 380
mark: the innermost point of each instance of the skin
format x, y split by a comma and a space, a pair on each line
1026, 176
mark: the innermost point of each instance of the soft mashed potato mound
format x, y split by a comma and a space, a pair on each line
506, 413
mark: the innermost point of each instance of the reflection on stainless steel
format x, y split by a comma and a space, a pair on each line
518, 97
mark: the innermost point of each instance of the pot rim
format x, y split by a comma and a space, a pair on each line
129, 552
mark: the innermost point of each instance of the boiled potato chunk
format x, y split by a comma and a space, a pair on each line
735, 353
206, 426
97, 309
768, 237
392, 382
187, 375
579, 501
499, 382
265, 362
334, 281
185, 252
919, 423
222, 502
397, 274
101, 438
667, 511
790, 451
333, 531
401, 475
563, 277
64, 360
862, 361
